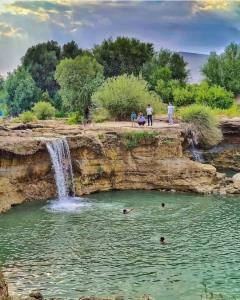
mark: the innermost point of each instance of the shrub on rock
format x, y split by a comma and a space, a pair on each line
44, 110
202, 125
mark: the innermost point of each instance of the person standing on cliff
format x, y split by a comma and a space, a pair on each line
170, 113
149, 111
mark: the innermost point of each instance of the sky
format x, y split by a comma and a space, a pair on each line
192, 26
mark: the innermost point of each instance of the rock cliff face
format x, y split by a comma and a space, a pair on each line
102, 160
227, 155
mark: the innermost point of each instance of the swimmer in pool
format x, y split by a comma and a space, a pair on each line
162, 240
127, 211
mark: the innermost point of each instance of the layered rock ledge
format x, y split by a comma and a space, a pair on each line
101, 159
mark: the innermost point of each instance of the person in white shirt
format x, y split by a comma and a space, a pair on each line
170, 113
149, 111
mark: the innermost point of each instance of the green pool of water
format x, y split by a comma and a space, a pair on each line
97, 250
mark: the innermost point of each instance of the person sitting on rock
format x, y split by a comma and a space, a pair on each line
141, 120
127, 211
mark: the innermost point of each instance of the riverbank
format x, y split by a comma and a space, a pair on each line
108, 156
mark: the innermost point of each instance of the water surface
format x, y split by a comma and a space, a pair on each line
93, 249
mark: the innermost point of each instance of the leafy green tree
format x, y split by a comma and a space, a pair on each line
41, 61
165, 89
78, 79
184, 95
124, 55
156, 68
1, 82
224, 69
126, 93
22, 91
214, 96
71, 50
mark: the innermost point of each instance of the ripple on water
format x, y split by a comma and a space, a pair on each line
87, 246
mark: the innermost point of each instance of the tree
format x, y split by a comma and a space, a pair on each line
123, 94
124, 55
41, 61
214, 96
78, 79
1, 82
156, 68
71, 50
22, 91
224, 69
165, 89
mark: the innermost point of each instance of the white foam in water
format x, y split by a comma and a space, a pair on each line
71, 204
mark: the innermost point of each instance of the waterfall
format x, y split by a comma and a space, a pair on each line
61, 161
197, 155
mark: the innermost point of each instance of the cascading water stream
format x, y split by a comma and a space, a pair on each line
61, 161
197, 155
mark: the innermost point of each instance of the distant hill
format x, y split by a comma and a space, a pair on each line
195, 62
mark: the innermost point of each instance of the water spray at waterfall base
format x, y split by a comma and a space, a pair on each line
63, 174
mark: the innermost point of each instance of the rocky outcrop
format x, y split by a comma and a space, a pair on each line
226, 155
102, 160
3, 288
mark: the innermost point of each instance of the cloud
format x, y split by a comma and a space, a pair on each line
212, 5
30, 8
8, 31
195, 26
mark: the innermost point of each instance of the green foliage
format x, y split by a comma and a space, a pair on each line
124, 55
71, 50
41, 61
1, 82
224, 69
78, 79
165, 65
75, 118
203, 125
100, 115
100, 172
22, 91
123, 94
233, 111
60, 114
27, 117
165, 89
44, 110
214, 96
184, 95
132, 139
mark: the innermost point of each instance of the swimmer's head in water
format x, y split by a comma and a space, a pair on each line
124, 211
162, 239
163, 204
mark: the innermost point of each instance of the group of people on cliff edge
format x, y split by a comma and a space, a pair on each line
141, 121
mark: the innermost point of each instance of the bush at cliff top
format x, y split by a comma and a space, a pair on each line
27, 116
100, 115
123, 94
214, 96
202, 124
44, 110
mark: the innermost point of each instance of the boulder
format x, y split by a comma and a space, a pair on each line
3, 287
